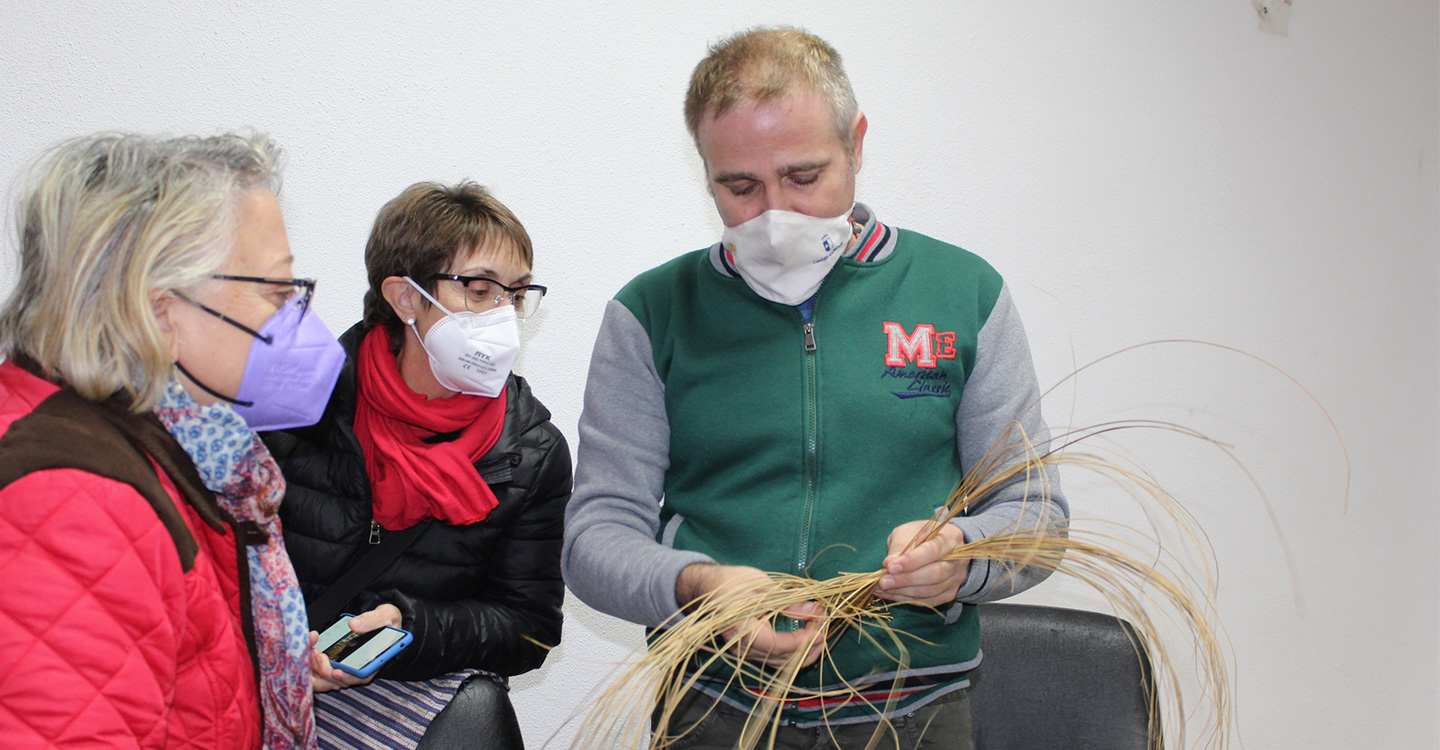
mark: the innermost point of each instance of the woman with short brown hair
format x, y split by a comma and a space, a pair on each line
430, 432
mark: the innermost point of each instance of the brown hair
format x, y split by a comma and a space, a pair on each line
763, 64
422, 230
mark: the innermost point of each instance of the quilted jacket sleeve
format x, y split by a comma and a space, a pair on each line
92, 586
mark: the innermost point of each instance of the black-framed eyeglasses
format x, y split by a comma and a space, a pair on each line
301, 292
482, 293
303, 288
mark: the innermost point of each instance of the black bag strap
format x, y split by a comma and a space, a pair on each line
324, 610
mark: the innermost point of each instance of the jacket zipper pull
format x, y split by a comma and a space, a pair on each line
809, 337
374, 531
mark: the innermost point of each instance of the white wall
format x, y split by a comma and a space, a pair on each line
1137, 171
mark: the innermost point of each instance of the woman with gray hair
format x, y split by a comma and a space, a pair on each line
149, 601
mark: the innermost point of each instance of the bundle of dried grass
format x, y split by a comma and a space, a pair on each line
1158, 579
1142, 586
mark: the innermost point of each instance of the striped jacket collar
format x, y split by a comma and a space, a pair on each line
873, 241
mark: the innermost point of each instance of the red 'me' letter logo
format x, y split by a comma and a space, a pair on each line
923, 346
918, 347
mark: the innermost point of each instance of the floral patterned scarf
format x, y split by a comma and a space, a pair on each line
235, 465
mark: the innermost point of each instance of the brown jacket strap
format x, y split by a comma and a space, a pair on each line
67, 432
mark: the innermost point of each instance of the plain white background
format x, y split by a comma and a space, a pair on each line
1138, 171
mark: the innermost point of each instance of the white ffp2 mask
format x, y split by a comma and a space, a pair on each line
783, 255
469, 352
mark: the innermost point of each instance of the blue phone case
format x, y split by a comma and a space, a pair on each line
379, 659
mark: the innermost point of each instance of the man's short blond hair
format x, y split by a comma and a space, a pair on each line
763, 64
105, 222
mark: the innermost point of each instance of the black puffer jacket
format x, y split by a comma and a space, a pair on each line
472, 595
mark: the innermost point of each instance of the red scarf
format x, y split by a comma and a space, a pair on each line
412, 480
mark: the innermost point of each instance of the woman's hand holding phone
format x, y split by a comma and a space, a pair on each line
324, 677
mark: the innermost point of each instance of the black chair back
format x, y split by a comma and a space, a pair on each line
1060, 678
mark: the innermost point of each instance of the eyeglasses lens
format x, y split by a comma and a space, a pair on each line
527, 302
482, 295
304, 289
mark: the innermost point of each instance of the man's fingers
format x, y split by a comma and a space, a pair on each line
947, 537
784, 647
918, 557
804, 611
928, 575
759, 641
928, 597
932, 585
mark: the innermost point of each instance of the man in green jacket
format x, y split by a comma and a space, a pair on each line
800, 397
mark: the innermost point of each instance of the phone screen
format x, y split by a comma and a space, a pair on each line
355, 650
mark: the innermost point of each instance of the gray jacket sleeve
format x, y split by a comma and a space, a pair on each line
1001, 391
611, 559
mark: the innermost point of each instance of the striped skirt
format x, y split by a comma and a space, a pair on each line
385, 714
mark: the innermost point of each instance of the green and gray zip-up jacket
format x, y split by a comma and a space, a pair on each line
721, 427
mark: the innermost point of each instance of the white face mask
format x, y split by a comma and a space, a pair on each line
470, 352
784, 255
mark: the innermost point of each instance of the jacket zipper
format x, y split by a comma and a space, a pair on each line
812, 445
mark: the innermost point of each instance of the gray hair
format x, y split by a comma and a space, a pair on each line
108, 221
763, 64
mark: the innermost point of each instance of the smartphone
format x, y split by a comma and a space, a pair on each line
360, 654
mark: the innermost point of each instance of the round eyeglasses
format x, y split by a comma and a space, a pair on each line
483, 294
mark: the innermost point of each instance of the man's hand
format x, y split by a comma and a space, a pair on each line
922, 575
323, 676
756, 640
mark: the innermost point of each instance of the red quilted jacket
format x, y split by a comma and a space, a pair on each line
104, 640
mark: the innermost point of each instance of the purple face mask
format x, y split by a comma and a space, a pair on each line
287, 381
